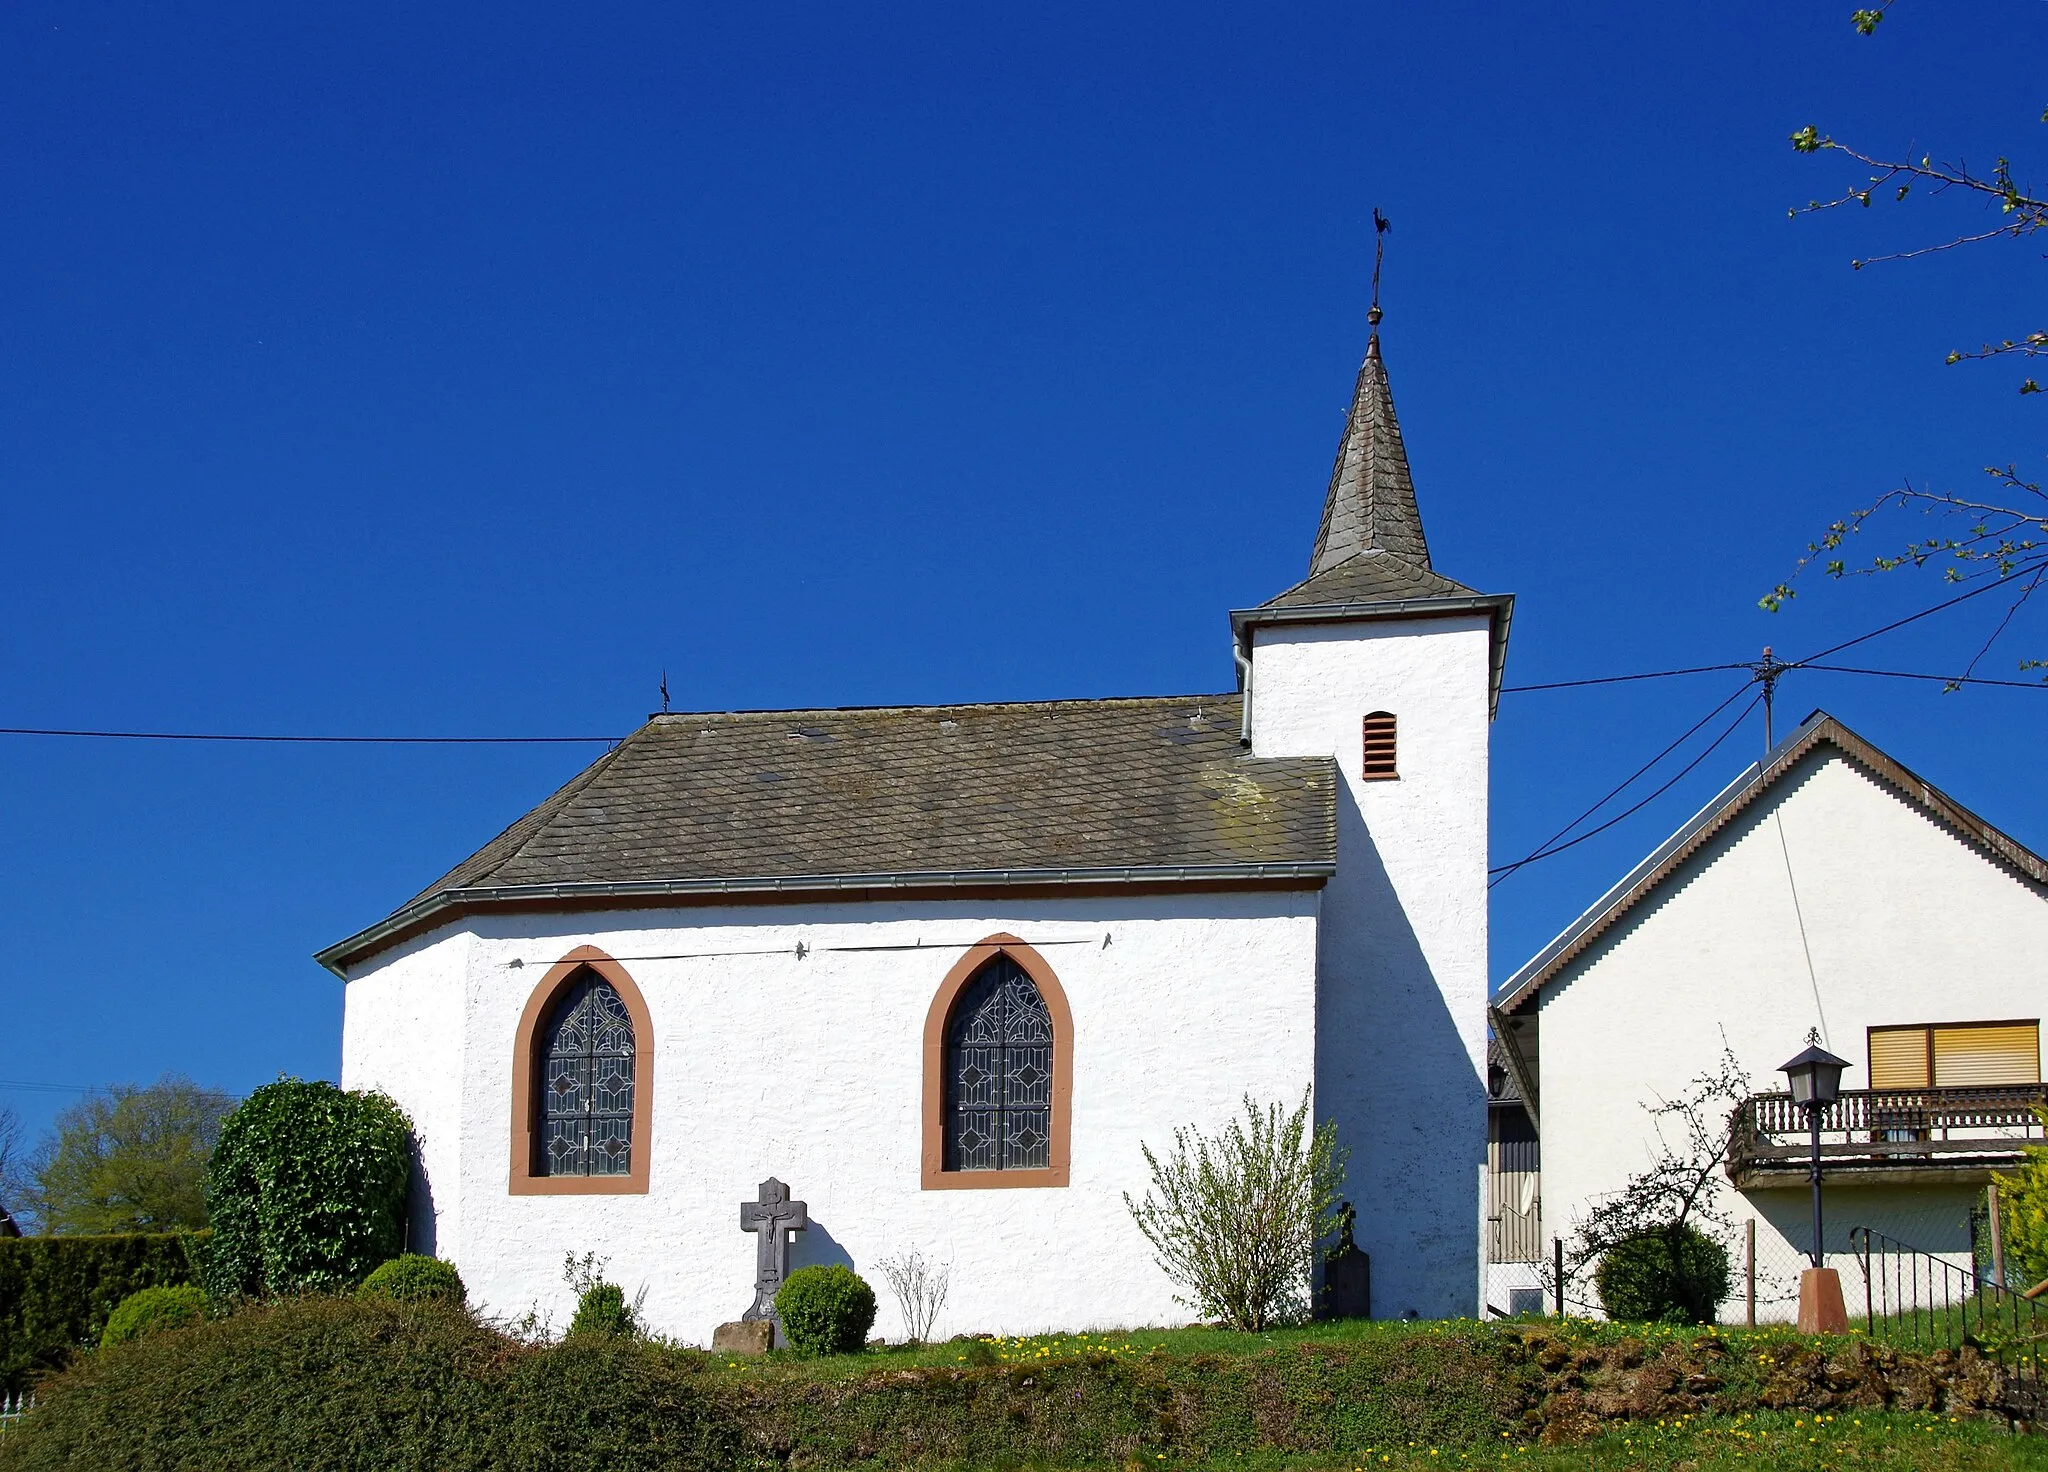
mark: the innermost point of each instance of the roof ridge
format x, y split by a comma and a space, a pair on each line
1663, 861
835, 710
528, 826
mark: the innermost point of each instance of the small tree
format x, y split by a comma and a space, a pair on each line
307, 1189
2023, 1208
13, 1178
920, 1287
1663, 1212
128, 1160
1236, 1218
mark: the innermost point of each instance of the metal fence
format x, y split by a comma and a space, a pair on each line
1920, 1301
13, 1408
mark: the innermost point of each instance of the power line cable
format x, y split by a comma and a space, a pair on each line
312, 740
1900, 623
1630, 781
1732, 727
1701, 669
1845, 669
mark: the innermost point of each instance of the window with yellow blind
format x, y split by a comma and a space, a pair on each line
1955, 1055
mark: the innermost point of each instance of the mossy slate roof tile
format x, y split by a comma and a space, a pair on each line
1149, 782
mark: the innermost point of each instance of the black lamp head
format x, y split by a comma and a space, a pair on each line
1816, 1077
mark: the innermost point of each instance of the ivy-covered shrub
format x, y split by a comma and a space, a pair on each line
601, 1309
306, 1189
1671, 1277
56, 1293
826, 1310
152, 1310
413, 1278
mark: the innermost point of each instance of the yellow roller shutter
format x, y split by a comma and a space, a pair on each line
1898, 1058
2006, 1053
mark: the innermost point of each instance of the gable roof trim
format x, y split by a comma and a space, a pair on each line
1819, 727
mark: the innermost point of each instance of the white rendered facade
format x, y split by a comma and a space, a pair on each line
1401, 996
810, 1070
1906, 922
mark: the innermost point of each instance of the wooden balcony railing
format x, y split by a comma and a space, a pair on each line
1896, 1127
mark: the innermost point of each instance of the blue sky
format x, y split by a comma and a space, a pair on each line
458, 369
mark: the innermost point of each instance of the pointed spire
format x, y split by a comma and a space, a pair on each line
1371, 504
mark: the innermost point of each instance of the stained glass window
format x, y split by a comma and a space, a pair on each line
587, 1093
999, 1073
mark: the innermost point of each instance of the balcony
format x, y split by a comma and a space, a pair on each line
1887, 1136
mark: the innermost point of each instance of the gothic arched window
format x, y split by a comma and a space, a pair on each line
999, 1073
586, 1083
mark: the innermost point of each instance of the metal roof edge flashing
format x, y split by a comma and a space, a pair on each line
344, 953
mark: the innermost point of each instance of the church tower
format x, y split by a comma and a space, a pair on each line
1378, 661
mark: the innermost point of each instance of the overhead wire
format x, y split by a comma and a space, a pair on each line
1552, 848
312, 740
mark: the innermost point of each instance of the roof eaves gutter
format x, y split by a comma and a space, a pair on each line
1499, 607
415, 916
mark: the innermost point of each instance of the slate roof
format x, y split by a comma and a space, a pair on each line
1373, 576
1371, 502
1667, 858
1123, 789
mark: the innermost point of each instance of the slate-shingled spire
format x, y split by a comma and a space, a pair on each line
1371, 504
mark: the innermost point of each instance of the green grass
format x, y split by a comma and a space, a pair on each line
1779, 1442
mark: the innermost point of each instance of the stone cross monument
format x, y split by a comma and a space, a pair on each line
772, 1218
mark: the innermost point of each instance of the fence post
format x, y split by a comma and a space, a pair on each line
1997, 1239
1749, 1270
1557, 1273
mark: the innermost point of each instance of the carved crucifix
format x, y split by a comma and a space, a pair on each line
772, 1219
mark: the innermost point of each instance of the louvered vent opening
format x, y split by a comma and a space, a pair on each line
1379, 748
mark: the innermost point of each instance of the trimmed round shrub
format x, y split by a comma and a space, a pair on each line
414, 1278
826, 1310
306, 1190
152, 1310
602, 1311
1676, 1277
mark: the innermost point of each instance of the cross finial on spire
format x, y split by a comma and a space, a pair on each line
1380, 226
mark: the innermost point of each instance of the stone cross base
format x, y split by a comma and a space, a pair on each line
1820, 1302
744, 1336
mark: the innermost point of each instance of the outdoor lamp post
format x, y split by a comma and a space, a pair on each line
1816, 1079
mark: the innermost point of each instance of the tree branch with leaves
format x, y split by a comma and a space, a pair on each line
1997, 535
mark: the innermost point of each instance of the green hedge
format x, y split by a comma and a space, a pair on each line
367, 1383
56, 1292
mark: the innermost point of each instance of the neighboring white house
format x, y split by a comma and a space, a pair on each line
1827, 887
945, 969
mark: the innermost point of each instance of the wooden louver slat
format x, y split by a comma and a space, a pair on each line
1379, 763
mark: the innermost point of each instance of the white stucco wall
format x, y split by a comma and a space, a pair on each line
1402, 997
1907, 924
811, 1070
403, 1029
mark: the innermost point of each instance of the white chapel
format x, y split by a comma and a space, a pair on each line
944, 969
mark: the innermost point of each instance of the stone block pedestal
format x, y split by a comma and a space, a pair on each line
756, 1336
1820, 1302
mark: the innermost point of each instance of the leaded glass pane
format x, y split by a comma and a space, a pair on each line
999, 1073
587, 1097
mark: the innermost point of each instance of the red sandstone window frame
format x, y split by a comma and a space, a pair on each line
527, 1072
935, 1175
